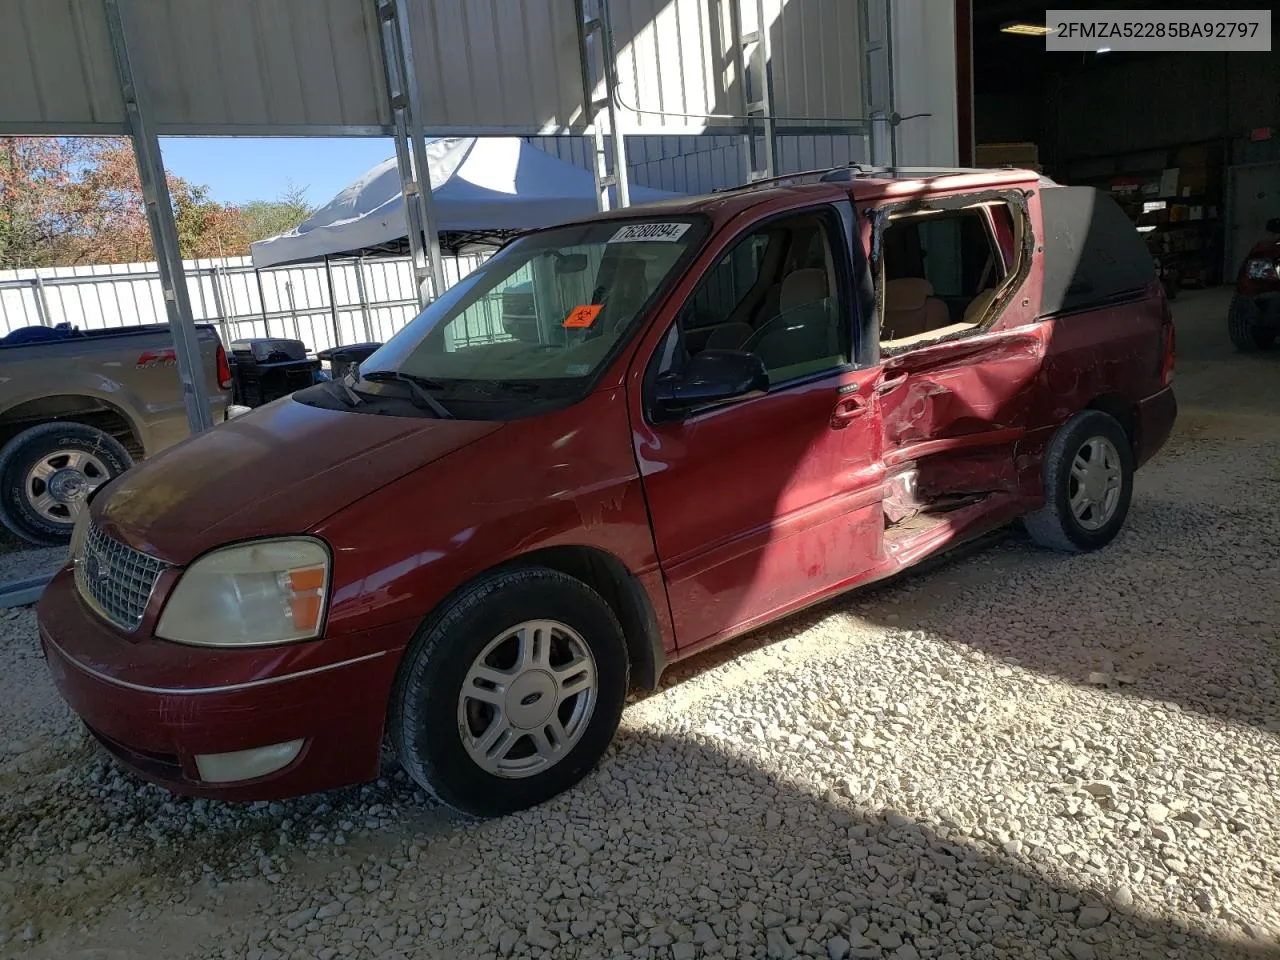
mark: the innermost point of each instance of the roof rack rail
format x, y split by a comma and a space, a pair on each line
849, 171
766, 180
846, 172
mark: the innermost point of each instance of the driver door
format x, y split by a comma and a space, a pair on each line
760, 505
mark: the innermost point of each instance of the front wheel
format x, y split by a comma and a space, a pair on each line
1242, 326
512, 694
1088, 483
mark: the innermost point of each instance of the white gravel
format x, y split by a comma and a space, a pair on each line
1015, 754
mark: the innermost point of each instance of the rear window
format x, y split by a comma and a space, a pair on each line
1093, 253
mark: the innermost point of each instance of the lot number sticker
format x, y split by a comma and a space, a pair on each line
650, 233
580, 318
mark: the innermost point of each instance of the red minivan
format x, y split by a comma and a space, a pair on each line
728, 408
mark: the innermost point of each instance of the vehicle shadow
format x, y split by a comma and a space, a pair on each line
681, 835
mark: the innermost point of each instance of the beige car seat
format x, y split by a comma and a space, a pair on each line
910, 308
978, 306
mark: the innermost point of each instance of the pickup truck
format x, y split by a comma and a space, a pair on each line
1253, 319
475, 548
77, 408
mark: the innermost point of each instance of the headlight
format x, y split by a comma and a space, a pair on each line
79, 533
266, 591
1263, 270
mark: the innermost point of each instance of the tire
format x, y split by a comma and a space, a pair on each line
1242, 326
431, 724
78, 459
1057, 525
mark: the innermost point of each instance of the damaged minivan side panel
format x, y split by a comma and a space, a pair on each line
955, 406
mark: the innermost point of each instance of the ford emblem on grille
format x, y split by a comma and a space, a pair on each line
95, 569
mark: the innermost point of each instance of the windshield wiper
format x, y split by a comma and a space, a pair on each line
418, 386
345, 393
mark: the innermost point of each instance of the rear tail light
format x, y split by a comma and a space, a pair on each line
224, 369
1167, 360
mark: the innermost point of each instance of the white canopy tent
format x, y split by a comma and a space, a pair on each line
479, 185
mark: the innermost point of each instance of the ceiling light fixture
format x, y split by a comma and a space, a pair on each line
1024, 29
1101, 50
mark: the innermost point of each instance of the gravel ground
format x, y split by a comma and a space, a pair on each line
19, 561
1012, 754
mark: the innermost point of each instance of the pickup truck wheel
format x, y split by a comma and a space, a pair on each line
47, 474
511, 694
1088, 483
1242, 326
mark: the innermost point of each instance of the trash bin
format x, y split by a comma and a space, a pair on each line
341, 360
267, 368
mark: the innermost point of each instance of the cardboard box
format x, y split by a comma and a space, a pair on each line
1197, 156
1007, 154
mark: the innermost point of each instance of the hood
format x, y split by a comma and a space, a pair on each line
281, 469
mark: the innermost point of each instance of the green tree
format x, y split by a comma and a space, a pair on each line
68, 201
270, 218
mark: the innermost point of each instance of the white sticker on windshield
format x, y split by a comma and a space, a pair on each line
650, 232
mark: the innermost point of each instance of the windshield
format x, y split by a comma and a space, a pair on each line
542, 316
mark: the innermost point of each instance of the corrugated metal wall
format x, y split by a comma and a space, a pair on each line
56, 65
817, 56
700, 164
285, 63
496, 66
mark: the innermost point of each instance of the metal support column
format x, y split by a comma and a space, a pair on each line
411, 149
219, 303
42, 301
877, 27
333, 303
164, 229
363, 294
751, 58
609, 162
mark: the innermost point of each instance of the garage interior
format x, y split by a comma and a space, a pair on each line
1004, 753
1188, 143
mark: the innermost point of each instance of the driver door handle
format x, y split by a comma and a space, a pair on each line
848, 410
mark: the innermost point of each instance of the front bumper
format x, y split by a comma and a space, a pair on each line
157, 706
1156, 417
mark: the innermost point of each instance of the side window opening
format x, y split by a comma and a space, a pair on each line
775, 293
942, 271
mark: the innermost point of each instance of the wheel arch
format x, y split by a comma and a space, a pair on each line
608, 576
621, 590
1123, 411
92, 411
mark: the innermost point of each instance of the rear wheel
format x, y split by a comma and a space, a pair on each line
1242, 326
1088, 483
47, 474
512, 694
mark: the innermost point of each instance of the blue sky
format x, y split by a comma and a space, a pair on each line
240, 169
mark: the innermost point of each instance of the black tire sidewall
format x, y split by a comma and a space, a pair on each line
1082, 428
424, 722
28, 448
1242, 325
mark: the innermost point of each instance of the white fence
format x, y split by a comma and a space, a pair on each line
371, 299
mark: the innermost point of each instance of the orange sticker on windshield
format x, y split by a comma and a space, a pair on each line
580, 318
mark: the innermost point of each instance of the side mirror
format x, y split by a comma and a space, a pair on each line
1273, 225
711, 376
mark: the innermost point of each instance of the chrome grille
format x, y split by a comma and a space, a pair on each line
115, 579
